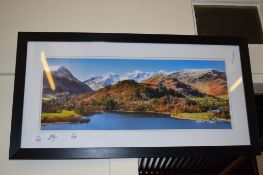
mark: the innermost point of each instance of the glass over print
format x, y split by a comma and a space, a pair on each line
130, 94
84, 95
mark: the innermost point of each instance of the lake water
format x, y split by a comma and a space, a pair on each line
136, 121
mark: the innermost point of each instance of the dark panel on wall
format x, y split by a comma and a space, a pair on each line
259, 106
229, 21
202, 165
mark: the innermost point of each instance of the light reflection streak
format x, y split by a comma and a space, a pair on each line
47, 71
236, 84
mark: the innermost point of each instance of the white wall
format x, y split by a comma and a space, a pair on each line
123, 16
134, 16
128, 16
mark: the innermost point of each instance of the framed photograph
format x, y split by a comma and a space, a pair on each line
91, 95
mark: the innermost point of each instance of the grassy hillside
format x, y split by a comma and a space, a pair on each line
130, 96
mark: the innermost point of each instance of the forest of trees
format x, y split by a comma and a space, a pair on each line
136, 97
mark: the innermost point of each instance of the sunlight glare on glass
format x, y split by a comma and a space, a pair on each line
235, 84
47, 71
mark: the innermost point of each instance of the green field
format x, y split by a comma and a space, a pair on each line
64, 116
193, 116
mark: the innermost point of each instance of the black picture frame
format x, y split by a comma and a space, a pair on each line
16, 152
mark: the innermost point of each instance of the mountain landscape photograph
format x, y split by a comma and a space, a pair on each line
134, 94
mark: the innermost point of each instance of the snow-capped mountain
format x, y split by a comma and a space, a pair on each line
63, 72
99, 82
196, 70
65, 82
163, 72
209, 81
197, 74
136, 75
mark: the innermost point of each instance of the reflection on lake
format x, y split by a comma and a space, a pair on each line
136, 121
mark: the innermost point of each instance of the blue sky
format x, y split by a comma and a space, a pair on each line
86, 68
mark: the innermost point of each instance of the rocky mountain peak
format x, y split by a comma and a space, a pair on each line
62, 71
